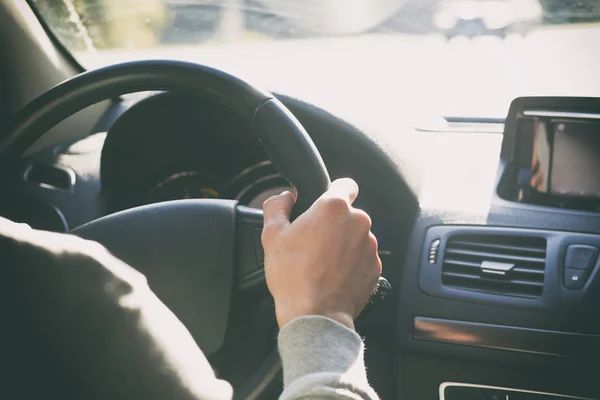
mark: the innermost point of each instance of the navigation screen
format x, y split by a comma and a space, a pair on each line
576, 159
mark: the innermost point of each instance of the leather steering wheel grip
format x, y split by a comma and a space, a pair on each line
284, 139
294, 155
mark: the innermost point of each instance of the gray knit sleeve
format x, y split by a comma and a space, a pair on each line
322, 359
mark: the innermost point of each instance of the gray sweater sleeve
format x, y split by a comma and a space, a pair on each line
322, 359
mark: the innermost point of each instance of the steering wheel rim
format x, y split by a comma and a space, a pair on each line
285, 141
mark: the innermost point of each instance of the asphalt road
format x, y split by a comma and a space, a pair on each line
404, 76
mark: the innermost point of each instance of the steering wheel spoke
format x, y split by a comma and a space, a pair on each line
249, 251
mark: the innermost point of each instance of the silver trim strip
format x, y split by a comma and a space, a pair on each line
498, 268
512, 338
444, 385
464, 128
560, 114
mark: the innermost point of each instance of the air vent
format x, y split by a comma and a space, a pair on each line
51, 177
496, 264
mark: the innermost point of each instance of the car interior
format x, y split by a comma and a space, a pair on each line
488, 228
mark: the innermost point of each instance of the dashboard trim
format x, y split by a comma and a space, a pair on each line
445, 385
560, 114
503, 337
555, 296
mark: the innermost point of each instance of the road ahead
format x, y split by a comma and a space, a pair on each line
404, 76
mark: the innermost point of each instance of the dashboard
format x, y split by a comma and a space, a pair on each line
490, 240
171, 147
163, 146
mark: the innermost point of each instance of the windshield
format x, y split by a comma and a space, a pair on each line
446, 57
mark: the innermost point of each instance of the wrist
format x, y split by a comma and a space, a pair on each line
285, 315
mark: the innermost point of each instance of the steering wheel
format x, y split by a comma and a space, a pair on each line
194, 253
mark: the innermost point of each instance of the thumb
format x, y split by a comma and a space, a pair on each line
277, 211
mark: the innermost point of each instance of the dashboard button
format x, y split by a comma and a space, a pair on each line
433, 251
581, 256
575, 278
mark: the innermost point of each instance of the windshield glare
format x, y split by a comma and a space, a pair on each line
445, 55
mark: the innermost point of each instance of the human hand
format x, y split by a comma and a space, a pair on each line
325, 262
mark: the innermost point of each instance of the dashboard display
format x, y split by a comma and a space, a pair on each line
185, 185
251, 187
551, 153
565, 158
576, 159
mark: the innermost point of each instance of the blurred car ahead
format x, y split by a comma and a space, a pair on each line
196, 20
500, 18
334, 17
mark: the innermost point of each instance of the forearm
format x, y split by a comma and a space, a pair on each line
322, 359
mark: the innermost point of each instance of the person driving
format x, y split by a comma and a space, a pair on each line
79, 323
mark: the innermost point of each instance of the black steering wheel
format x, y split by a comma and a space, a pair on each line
195, 253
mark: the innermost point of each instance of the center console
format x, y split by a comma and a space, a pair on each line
506, 304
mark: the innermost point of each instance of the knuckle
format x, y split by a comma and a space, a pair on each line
268, 233
373, 244
271, 201
334, 205
363, 220
378, 266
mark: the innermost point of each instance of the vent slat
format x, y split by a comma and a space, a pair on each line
468, 264
464, 254
507, 282
494, 256
462, 263
530, 271
525, 291
504, 247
